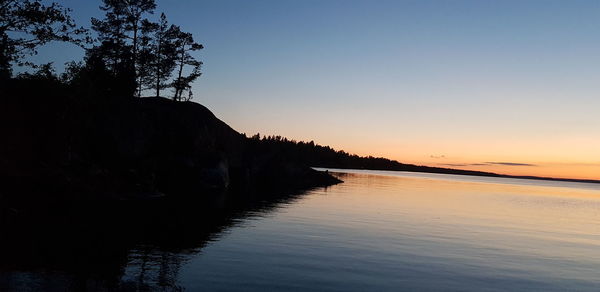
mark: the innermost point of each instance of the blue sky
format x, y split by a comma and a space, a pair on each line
474, 81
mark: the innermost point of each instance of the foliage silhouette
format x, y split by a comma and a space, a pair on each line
25, 25
140, 53
185, 44
129, 55
163, 54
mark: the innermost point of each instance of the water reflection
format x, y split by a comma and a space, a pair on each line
374, 232
123, 247
413, 233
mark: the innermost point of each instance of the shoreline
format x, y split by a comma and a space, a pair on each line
492, 175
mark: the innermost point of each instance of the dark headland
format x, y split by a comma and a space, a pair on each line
61, 149
136, 148
84, 181
327, 157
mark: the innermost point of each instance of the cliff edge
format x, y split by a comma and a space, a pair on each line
126, 148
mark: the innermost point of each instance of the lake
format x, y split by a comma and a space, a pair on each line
377, 231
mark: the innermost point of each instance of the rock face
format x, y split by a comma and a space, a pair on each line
87, 181
132, 148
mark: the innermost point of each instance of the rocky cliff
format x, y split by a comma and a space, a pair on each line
131, 149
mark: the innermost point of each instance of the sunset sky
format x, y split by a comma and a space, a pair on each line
503, 86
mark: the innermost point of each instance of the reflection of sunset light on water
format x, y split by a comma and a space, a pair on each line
412, 231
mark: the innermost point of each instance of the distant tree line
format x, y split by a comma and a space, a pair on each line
126, 53
314, 155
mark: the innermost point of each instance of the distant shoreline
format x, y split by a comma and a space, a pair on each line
315, 155
476, 174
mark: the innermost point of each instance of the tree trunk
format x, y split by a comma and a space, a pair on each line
178, 85
5, 68
135, 58
158, 64
157, 81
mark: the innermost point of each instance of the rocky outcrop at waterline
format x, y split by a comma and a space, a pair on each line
130, 149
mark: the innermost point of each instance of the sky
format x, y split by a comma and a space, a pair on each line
505, 86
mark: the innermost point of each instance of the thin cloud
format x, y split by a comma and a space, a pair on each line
437, 156
509, 163
486, 164
462, 164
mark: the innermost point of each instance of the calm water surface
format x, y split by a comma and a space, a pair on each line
390, 231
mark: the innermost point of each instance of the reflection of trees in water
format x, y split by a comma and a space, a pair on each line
149, 267
124, 248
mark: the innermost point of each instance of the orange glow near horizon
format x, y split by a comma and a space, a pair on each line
560, 157
518, 162
547, 137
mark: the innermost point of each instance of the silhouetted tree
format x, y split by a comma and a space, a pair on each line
185, 44
90, 78
131, 54
134, 11
44, 72
96, 79
73, 70
27, 24
163, 54
111, 34
146, 56
119, 36
113, 51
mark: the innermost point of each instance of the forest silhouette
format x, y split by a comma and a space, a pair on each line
126, 53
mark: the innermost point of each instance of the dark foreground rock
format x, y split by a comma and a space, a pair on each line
88, 185
130, 149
